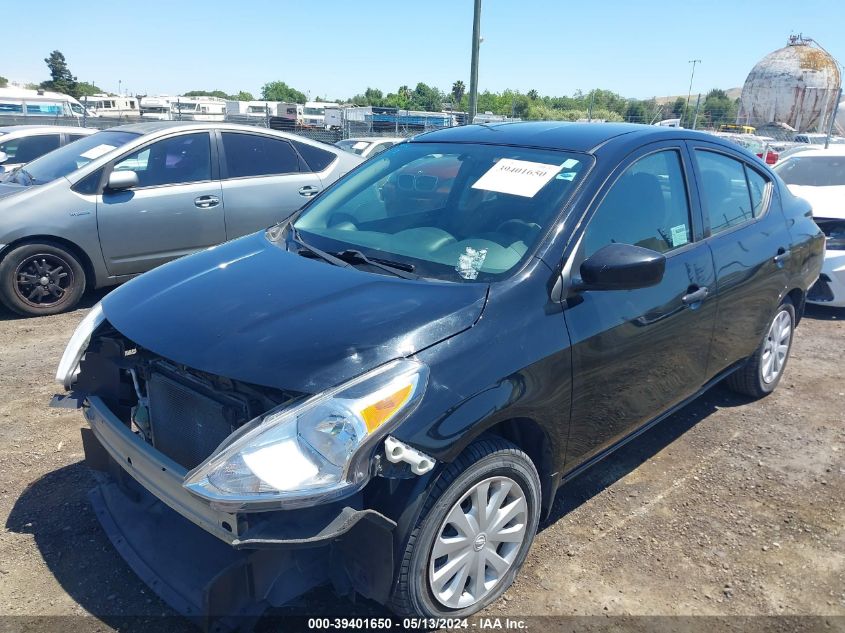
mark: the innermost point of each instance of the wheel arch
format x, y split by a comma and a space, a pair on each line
73, 248
799, 299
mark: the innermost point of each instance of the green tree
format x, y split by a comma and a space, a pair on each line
61, 79
636, 112
86, 89
718, 108
533, 95
373, 97
3, 82
206, 93
458, 91
678, 107
280, 91
243, 95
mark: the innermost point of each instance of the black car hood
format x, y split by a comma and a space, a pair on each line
251, 311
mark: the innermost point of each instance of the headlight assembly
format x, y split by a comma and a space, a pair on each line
315, 451
76, 346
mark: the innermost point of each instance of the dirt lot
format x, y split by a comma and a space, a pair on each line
728, 507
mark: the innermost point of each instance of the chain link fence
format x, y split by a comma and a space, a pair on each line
405, 124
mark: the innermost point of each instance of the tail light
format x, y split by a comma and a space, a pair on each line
772, 158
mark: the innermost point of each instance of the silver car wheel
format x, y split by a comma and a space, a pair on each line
776, 347
478, 542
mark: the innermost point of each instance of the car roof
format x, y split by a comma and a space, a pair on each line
835, 149
373, 139
11, 129
558, 135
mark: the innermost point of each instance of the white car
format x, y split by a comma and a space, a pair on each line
818, 176
20, 144
368, 146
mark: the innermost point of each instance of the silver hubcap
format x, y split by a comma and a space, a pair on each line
478, 542
776, 347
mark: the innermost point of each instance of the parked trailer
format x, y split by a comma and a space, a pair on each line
39, 103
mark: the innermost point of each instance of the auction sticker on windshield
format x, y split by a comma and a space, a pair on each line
96, 152
517, 177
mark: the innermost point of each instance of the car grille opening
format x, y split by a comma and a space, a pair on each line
188, 425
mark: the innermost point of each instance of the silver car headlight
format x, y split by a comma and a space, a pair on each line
315, 451
76, 346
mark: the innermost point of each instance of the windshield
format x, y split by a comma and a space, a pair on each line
813, 171
67, 159
315, 110
185, 107
351, 145
456, 212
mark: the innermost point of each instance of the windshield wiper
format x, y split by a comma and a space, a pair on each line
294, 235
400, 269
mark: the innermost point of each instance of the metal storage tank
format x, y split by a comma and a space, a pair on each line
797, 85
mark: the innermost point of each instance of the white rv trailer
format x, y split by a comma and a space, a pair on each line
157, 107
39, 103
314, 113
198, 109
112, 106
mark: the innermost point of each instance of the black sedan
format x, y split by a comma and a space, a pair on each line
386, 390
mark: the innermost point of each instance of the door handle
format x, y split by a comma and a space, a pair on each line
307, 191
206, 202
696, 296
782, 257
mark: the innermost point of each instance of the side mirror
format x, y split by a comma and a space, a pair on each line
622, 267
3, 157
122, 180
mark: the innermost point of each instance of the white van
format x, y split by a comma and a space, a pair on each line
39, 103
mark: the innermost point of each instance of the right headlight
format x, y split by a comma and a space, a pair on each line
315, 451
76, 346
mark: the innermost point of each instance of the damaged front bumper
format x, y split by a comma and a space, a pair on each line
217, 566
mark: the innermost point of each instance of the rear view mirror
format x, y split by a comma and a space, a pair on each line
3, 157
122, 180
622, 267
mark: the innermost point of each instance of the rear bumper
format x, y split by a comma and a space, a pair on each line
829, 290
213, 565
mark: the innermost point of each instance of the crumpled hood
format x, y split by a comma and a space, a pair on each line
251, 311
827, 202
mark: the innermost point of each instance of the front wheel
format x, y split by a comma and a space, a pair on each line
473, 533
40, 279
764, 369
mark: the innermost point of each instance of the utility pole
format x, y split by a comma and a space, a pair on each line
689, 92
833, 119
473, 71
697, 106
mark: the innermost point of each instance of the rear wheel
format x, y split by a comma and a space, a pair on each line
40, 279
764, 369
473, 534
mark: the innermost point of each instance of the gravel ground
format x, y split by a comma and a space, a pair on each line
729, 507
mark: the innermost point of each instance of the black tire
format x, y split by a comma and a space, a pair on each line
749, 379
41, 279
484, 459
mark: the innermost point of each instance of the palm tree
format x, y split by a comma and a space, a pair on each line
533, 95
458, 91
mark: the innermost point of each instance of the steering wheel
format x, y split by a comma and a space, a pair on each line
343, 221
519, 228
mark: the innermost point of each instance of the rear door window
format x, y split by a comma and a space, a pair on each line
256, 155
732, 193
316, 158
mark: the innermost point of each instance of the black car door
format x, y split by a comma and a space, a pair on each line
636, 353
750, 243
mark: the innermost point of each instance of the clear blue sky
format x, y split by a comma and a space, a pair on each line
336, 48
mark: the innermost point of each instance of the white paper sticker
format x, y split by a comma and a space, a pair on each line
96, 152
679, 235
517, 177
360, 145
